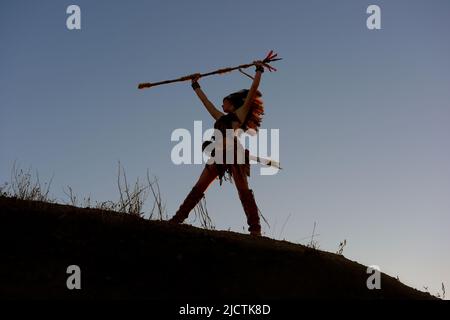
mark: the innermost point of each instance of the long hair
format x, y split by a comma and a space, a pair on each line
255, 114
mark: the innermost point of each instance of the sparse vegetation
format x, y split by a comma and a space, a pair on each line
131, 199
284, 225
201, 213
158, 204
441, 294
273, 232
313, 244
342, 245
24, 187
73, 198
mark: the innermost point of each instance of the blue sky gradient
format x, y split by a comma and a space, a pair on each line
363, 115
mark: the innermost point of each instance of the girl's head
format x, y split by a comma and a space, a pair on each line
228, 106
235, 100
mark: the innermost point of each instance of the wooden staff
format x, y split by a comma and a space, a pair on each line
271, 57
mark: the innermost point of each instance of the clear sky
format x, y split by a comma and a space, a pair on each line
363, 115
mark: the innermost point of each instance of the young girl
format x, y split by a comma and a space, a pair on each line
241, 110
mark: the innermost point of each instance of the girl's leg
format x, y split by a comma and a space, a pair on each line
247, 199
208, 175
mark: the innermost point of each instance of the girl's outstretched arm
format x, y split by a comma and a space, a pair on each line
213, 111
242, 112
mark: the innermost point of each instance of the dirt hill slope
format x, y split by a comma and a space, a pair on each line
122, 256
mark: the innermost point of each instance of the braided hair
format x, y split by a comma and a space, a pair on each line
254, 117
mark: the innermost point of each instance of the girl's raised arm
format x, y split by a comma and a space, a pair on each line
242, 112
213, 111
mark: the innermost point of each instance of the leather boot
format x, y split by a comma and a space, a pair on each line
189, 203
251, 211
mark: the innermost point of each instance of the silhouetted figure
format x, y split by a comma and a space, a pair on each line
241, 110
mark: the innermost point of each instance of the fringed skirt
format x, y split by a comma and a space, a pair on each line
225, 171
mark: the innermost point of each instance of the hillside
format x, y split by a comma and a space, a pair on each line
122, 256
